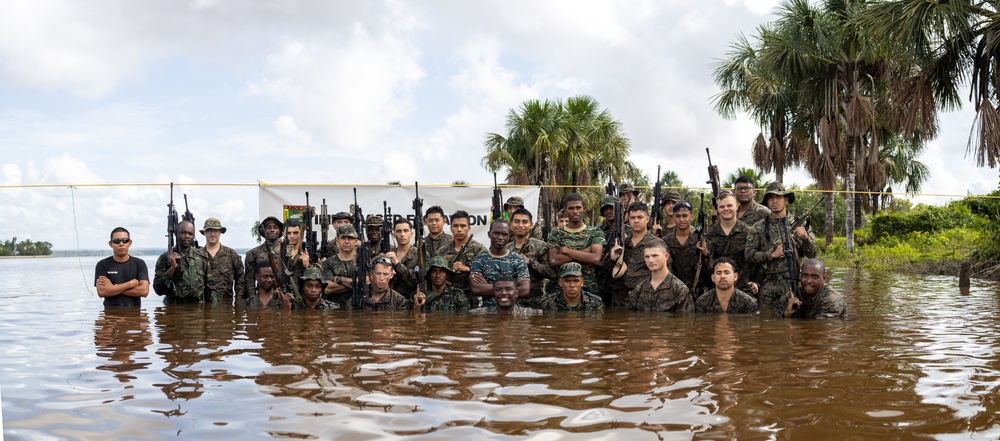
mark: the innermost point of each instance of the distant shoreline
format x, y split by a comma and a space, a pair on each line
25, 257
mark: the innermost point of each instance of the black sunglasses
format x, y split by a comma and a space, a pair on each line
384, 260
117, 241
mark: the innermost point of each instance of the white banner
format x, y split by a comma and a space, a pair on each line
278, 201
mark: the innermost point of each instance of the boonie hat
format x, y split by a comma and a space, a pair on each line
347, 231
514, 200
437, 262
608, 201
341, 215
212, 224
625, 187
373, 220
313, 273
778, 189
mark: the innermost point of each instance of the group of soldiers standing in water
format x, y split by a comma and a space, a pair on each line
735, 264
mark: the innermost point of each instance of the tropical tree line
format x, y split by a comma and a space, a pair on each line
25, 247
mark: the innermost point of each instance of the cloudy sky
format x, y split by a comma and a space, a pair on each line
300, 92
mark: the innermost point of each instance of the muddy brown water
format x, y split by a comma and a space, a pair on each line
917, 358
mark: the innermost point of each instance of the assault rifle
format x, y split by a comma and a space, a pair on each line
418, 227
362, 262
700, 230
789, 251
308, 232
497, 210
546, 214
384, 244
713, 180
655, 217
323, 219
171, 221
188, 216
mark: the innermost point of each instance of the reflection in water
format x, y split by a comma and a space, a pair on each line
915, 359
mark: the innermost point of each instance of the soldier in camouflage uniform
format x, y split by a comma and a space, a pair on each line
571, 296
183, 274
436, 237
227, 266
269, 294
339, 270
380, 296
577, 242
818, 300
749, 212
440, 296
459, 250
404, 257
728, 238
373, 232
270, 230
498, 262
505, 293
606, 283
725, 298
764, 246
312, 283
513, 204
535, 254
338, 219
667, 223
635, 270
686, 249
662, 292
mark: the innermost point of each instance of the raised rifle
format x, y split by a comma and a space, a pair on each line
700, 230
188, 216
804, 217
362, 261
323, 219
418, 227
546, 215
171, 221
309, 233
713, 180
497, 211
655, 217
791, 259
384, 244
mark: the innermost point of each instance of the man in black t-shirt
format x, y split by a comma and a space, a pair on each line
121, 279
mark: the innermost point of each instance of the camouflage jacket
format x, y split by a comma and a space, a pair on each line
739, 303
227, 274
333, 268
826, 304
538, 266
254, 256
637, 270
450, 299
255, 303
323, 304
192, 280
670, 296
556, 302
405, 280
764, 237
733, 246
392, 300
754, 214
431, 245
460, 279
684, 259
518, 310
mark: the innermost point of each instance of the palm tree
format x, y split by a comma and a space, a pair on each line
756, 176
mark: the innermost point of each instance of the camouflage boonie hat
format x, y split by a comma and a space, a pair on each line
281, 225
671, 195
212, 224
342, 215
347, 231
625, 187
608, 201
778, 189
437, 262
570, 269
514, 200
313, 273
373, 220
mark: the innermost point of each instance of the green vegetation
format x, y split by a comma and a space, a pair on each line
25, 248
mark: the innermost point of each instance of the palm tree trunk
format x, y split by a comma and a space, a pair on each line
850, 196
829, 218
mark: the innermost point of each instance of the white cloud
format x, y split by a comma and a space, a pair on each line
11, 174
65, 169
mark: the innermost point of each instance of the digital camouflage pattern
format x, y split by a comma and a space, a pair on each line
333, 268
684, 259
826, 304
754, 214
732, 246
739, 303
227, 274
517, 310
432, 245
762, 239
670, 296
580, 240
637, 270
405, 279
556, 302
191, 282
538, 268
449, 299
391, 301
460, 279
